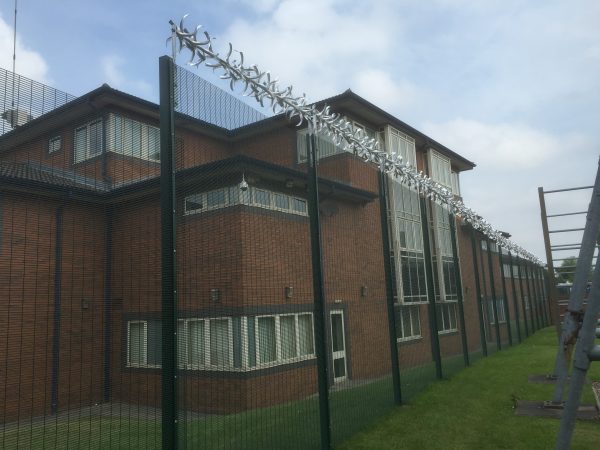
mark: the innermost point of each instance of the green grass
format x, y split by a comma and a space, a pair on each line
471, 410
474, 410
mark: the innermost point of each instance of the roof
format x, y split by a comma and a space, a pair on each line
105, 95
51, 180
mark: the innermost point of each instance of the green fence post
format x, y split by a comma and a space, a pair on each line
531, 312
433, 327
389, 290
538, 319
457, 275
521, 288
515, 300
493, 293
505, 303
168, 259
540, 272
478, 293
319, 292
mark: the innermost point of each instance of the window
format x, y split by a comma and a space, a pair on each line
88, 141
445, 270
455, 183
279, 339
439, 169
144, 340
408, 244
516, 271
54, 144
400, 143
225, 343
408, 322
506, 270
499, 309
230, 196
132, 138
446, 317
325, 146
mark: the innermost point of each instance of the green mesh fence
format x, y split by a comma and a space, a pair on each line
257, 362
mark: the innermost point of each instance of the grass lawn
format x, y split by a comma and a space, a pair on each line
474, 410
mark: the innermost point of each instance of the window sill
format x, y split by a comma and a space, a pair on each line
409, 340
227, 369
448, 332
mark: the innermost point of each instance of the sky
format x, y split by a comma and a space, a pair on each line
511, 85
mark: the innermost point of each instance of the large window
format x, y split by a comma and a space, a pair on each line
408, 244
325, 145
132, 138
499, 309
455, 183
439, 169
445, 273
258, 197
400, 143
408, 322
226, 343
446, 317
407, 241
88, 141
144, 340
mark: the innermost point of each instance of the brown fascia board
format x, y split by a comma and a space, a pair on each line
356, 105
92, 102
350, 103
105, 96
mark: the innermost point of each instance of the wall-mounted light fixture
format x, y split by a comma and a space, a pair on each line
243, 184
289, 292
364, 290
85, 303
215, 295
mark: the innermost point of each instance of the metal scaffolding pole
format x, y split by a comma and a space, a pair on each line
570, 329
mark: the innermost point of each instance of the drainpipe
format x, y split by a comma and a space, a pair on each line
57, 310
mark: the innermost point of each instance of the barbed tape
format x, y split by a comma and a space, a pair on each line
260, 85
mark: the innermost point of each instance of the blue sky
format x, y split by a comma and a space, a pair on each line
511, 85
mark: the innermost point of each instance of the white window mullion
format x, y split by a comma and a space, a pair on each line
207, 343
244, 343
277, 339
230, 333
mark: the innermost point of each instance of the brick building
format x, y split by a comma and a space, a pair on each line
80, 266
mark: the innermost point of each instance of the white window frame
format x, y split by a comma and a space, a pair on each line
391, 134
55, 144
244, 198
279, 360
145, 129
87, 151
144, 362
409, 222
447, 328
440, 169
207, 364
412, 307
455, 178
499, 309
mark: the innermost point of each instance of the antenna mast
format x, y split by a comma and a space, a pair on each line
14, 56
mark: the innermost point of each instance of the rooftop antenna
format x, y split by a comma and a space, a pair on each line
14, 56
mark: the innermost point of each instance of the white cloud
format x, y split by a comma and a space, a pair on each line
29, 63
116, 78
502, 146
380, 88
316, 45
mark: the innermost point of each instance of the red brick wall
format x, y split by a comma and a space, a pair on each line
27, 270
